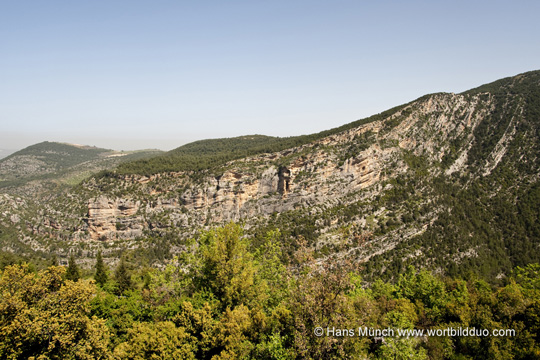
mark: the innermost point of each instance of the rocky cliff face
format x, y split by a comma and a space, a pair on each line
368, 191
256, 186
325, 171
109, 219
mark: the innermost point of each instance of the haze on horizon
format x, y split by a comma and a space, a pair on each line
131, 74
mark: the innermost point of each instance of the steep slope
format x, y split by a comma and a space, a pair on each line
449, 182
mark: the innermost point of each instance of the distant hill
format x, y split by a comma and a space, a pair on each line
62, 162
47, 157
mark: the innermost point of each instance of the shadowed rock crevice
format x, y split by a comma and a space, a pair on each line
284, 179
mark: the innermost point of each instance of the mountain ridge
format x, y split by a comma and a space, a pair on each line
440, 182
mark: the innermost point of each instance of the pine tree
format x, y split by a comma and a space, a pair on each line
122, 277
72, 272
54, 261
101, 276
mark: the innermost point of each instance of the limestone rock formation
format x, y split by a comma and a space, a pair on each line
111, 218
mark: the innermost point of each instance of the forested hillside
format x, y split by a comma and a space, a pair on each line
423, 217
222, 299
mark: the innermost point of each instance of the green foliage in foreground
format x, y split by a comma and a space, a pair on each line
72, 273
222, 301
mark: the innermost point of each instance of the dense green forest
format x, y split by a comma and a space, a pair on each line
225, 298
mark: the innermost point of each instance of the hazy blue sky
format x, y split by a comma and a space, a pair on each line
139, 74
